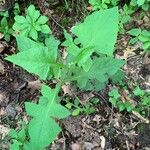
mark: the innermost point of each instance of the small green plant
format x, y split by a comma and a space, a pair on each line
5, 29
78, 108
4, 14
143, 106
114, 98
144, 4
140, 96
42, 129
125, 16
16, 9
103, 4
18, 137
88, 65
32, 24
142, 36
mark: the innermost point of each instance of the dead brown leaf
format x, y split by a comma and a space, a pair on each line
97, 119
4, 98
1, 35
127, 52
34, 85
68, 89
103, 142
2, 111
1, 68
64, 54
76, 146
88, 96
4, 131
2, 47
90, 8
88, 145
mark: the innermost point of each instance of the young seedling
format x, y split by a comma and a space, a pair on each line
114, 98
30, 25
142, 36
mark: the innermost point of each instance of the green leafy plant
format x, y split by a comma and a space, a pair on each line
4, 14
43, 61
18, 137
103, 4
142, 36
5, 29
42, 128
78, 108
125, 16
144, 4
33, 23
143, 106
114, 98
88, 65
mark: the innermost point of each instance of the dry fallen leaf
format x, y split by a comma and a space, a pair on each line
2, 111
34, 85
103, 142
88, 96
97, 119
64, 54
145, 120
4, 131
2, 47
1, 68
4, 98
90, 8
1, 35
11, 111
68, 89
128, 52
88, 145
76, 146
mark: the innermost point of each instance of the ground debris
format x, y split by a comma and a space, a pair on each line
3, 131
1, 68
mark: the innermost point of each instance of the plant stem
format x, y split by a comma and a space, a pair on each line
66, 3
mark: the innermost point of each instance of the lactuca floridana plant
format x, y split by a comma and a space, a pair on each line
88, 65
42, 128
31, 24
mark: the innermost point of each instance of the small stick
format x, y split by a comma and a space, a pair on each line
140, 117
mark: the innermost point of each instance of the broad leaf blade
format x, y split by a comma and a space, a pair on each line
52, 45
99, 30
37, 61
43, 129
25, 44
42, 132
102, 69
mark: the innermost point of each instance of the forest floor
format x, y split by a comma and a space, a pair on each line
106, 127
